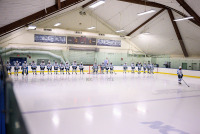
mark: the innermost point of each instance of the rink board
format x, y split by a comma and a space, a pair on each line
169, 71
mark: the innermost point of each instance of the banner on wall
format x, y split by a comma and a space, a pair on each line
112, 43
81, 40
50, 39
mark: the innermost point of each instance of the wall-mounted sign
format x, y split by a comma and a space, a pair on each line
50, 39
112, 43
81, 40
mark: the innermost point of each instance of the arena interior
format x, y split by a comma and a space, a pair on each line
99, 66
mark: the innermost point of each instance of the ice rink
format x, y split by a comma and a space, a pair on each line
108, 103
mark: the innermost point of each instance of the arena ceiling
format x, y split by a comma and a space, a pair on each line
115, 14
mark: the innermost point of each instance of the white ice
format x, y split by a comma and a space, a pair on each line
109, 104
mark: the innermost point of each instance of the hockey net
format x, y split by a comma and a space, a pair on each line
90, 70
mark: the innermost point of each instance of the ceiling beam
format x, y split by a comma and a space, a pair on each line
147, 3
178, 34
157, 5
36, 16
58, 4
88, 3
189, 9
145, 22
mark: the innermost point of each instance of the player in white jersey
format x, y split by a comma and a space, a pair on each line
133, 68
125, 67
56, 66
74, 67
34, 67
42, 67
148, 68
111, 68
180, 74
152, 69
62, 67
144, 67
25, 68
102, 67
139, 68
107, 67
67, 67
8, 67
95, 68
16, 68
81, 67
49, 67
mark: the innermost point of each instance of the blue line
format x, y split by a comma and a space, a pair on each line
104, 105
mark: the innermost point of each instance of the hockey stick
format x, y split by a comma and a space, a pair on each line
185, 83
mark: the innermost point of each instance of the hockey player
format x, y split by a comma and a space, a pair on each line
139, 68
8, 67
24, 68
49, 67
16, 68
56, 66
111, 68
125, 67
62, 67
33, 67
152, 68
144, 67
42, 67
133, 68
180, 74
148, 68
102, 67
107, 68
81, 68
67, 67
74, 67
95, 68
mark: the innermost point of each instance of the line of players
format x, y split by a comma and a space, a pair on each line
146, 67
49, 66
149, 67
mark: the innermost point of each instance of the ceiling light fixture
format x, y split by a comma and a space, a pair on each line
91, 28
146, 33
119, 31
186, 18
146, 12
97, 4
57, 24
31, 27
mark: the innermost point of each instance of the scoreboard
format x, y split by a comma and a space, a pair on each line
81, 40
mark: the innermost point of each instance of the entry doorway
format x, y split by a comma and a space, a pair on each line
184, 66
194, 66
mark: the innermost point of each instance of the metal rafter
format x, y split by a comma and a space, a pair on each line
145, 22
178, 34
